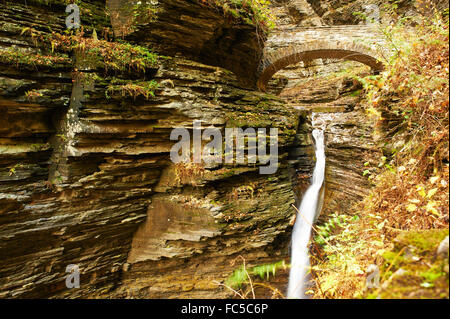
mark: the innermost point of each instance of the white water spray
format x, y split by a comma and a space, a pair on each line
303, 224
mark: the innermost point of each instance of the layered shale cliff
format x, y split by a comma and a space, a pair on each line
85, 174
326, 89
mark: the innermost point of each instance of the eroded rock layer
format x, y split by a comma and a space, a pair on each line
85, 172
336, 106
86, 178
197, 31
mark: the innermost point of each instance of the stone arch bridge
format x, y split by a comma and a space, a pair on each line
361, 43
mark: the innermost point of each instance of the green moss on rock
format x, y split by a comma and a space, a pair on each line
423, 240
412, 269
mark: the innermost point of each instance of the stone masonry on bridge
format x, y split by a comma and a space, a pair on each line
361, 43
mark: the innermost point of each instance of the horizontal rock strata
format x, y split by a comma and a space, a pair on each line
86, 178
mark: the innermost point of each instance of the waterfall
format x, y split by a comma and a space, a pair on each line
302, 228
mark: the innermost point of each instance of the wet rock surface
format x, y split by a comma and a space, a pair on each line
336, 106
200, 33
415, 270
87, 179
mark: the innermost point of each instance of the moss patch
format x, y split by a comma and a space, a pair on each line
412, 269
423, 241
34, 60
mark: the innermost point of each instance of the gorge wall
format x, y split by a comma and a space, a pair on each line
85, 173
324, 87
81, 173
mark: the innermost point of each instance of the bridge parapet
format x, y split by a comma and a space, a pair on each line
360, 43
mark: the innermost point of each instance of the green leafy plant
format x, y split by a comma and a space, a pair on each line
239, 277
253, 12
132, 88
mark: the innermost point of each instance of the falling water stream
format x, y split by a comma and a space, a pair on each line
302, 228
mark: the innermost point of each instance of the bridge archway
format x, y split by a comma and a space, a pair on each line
283, 57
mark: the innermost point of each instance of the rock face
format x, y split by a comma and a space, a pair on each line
342, 12
321, 87
85, 172
349, 141
87, 180
410, 278
186, 27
